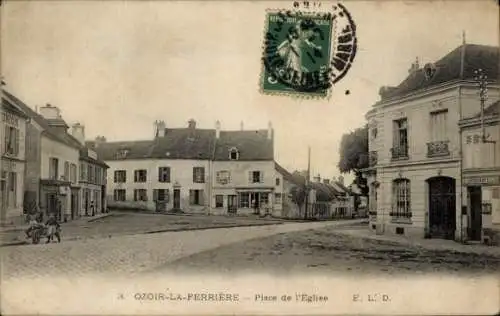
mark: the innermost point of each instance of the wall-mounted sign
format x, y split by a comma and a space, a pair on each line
482, 180
10, 119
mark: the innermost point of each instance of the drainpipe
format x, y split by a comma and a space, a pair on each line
462, 239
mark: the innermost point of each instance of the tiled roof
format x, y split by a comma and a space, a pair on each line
51, 132
251, 145
47, 130
196, 144
9, 106
286, 175
448, 69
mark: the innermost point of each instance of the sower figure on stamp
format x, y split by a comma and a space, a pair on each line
294, 47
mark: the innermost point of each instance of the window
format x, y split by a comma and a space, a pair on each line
13, 187
83, 172
164, 174
401, 198
121, 154
196, 197
97, 175
161, 195
374, 132
198, 174
219, 201
223, 177
277, 198
400, 141
277, 181
120, 176
11, 140
438, 125
72, 173
140, 195
66, 171
255, 176
234, 154
119, 195
264, 198
244, 200
140, 175
53, 168
90, 173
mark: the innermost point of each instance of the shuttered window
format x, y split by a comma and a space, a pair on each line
196, 197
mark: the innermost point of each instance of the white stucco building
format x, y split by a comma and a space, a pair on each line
415, 144
207, 171
12, 164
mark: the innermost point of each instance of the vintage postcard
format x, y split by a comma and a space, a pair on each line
249, 157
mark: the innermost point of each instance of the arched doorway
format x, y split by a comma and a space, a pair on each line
442, 207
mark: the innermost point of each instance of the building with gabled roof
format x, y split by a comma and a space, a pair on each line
415, 145
62, 175
191, 169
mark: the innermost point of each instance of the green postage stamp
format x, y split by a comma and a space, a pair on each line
305, 53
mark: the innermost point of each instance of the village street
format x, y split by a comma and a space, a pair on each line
330, 246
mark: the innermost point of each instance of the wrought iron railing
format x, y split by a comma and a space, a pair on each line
438, 149
400, 214
400, 152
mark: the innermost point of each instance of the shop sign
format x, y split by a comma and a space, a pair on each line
482, 180
10, 119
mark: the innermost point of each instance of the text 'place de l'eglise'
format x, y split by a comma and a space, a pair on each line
433, 162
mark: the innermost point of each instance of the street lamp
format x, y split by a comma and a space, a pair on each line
482, 82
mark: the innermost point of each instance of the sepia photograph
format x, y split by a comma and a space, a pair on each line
249, 157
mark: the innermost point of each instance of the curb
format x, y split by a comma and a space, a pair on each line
419, 246
90, 220
205, 228
14, 243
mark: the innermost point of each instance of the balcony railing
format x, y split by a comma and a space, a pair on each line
438, 149
372, 158
399, 153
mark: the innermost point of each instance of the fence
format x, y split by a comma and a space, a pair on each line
323, 211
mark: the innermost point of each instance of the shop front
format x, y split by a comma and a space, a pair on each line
55, 198
483, 205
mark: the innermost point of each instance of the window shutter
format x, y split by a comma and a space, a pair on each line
16, 141
168, 174
167, 195
194, 174
160, 174
261, 180
155, 195
135, 195
250, 180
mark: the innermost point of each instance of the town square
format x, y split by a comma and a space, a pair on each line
187, 142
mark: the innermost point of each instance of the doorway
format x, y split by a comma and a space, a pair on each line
52, 204
177, 199
475, 200
3, 200
74, 204
442, 207
232, 204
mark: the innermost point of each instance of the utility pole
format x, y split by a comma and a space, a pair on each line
308, 180
481, 79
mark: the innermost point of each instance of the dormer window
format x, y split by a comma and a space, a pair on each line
234, 154
122, 153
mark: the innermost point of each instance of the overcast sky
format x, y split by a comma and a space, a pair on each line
118, 66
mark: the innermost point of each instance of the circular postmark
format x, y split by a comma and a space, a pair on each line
308, 52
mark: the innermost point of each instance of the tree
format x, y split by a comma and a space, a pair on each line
299, 190
354, 156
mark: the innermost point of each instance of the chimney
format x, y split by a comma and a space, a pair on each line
326, 181
341, 180
160, 128
99, 140
217, 129
317, 178
241, 125
414, 67
192, 124
78, 132
50, 112
269, 130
